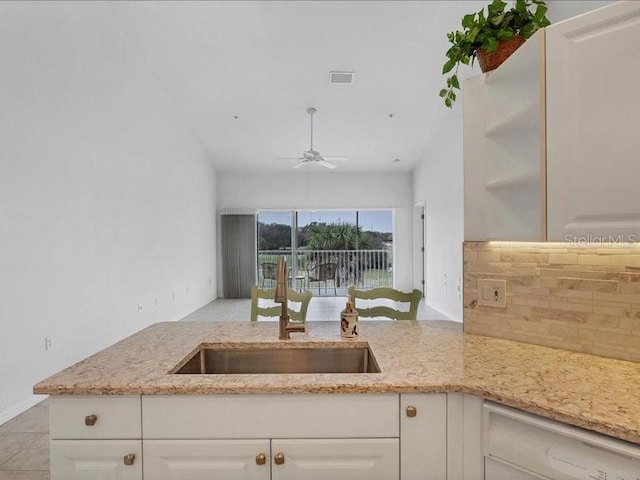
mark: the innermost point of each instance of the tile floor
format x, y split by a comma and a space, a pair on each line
24, 440
24, 445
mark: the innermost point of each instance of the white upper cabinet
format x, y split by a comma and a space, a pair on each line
552, 137
504, 148
593, 124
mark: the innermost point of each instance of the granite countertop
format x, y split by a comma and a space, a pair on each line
597, 393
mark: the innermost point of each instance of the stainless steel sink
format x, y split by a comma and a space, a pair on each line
243, 359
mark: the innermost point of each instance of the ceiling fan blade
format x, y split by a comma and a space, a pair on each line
298, 165
288, 158
326, 164
336, 159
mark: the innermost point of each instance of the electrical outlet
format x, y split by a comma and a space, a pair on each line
492, 293
444, 282
140, 308
48, 343
459, 288
173, 295
157, 301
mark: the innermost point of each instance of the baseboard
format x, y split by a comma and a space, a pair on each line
21, 407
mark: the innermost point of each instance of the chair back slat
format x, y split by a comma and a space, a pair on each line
412, 298
274, 311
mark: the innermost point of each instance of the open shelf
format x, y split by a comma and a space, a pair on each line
529, 176
525, 118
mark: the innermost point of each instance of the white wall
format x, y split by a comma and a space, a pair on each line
438, 181
106, 200
330, 190
562, 9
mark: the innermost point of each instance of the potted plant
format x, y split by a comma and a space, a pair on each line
486, 35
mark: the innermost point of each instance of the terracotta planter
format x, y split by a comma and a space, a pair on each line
491, 60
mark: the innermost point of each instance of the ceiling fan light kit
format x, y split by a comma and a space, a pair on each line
313, 156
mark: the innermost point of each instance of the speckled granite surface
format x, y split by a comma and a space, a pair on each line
597, 393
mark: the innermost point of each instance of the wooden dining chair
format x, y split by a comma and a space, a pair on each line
323, 272
268, 272
385, 296
303, 298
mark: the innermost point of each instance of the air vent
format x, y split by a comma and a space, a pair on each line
344, 78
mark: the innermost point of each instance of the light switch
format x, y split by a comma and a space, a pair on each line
486, 292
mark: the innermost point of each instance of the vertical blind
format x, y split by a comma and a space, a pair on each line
238, 234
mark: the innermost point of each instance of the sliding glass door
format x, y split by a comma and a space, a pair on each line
327, 250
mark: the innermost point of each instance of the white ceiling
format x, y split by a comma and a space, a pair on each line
266, 62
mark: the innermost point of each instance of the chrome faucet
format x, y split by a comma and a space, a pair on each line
280, 296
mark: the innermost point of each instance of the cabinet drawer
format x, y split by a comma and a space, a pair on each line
93, 459
95, 417
207, 459
268, 416
337, 459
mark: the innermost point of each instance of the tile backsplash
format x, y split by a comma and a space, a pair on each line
585, 299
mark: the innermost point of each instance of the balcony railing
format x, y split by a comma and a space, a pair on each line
362, 268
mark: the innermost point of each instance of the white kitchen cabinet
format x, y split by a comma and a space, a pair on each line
303, 436
207, 459
278, 459
550, 137
96, 460
95, 437
337, 459
593, 107
423, 433
252, 437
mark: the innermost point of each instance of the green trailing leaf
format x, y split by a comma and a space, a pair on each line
447, 67
504, 34
496, 6
490, 44
497, 20
495, 23
467, 20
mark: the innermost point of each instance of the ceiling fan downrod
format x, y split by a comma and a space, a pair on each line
311, 111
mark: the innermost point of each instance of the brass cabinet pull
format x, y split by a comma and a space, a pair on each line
129, 459
412, 411
279, 458
261, 459
90, 420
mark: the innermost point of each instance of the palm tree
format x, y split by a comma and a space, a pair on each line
340, 236
336, 236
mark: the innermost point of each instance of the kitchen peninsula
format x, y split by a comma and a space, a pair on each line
415, 358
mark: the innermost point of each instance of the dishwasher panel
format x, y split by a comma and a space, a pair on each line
553, 450
497, 470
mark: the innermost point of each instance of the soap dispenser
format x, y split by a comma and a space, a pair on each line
349, 322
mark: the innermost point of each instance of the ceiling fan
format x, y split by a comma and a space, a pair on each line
312, 156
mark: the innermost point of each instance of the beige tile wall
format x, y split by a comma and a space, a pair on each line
585, 299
